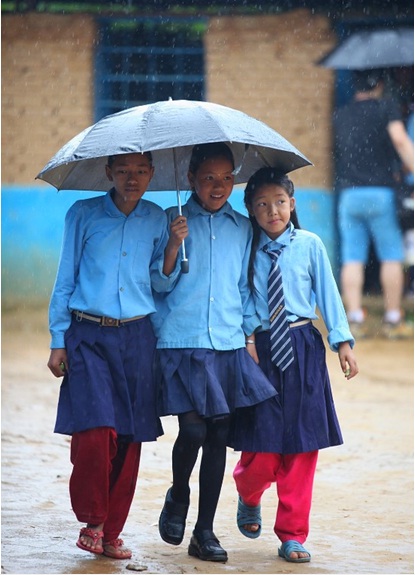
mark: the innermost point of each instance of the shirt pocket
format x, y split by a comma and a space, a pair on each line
142, 259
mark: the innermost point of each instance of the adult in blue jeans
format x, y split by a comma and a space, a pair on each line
369, 140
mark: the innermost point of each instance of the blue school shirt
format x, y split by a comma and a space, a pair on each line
108, 262
211, 306
308, 281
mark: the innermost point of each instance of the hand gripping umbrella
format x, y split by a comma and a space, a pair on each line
169, 130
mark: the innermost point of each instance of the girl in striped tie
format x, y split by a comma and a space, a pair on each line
296, 367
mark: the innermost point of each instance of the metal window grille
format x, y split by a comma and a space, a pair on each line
140, 61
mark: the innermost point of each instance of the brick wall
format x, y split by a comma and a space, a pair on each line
265, 66
262, 65
47, 88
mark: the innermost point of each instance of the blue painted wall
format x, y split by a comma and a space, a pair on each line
32, 226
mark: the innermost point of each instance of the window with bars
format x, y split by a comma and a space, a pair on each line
140, 61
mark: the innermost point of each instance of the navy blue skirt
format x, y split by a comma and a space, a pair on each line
307, 420
110, 381
207, 381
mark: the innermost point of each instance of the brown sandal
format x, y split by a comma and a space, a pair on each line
95, 536
118, 553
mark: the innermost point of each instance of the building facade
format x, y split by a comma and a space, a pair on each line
53, 84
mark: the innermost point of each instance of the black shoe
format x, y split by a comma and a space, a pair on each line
205, 545
172, 521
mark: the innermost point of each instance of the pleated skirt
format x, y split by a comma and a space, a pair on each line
302, 417
110, 382
210, 382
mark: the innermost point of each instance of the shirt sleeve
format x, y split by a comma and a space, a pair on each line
328, 298
68, 269
391, 110
162, 283
159, 281
251, 321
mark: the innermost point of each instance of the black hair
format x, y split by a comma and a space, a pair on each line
111, 159
203, 152
264, 177
367, 80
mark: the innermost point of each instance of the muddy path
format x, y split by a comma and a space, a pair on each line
362, 515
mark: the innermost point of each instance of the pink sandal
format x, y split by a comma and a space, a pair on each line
117, 554
95, 536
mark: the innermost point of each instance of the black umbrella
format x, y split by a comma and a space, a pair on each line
370, 49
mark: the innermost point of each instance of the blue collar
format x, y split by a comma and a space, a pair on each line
140, 210
282, 240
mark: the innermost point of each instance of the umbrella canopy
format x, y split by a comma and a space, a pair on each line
373, 49
169, 130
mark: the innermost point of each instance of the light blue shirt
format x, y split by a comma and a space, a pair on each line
109, 262
308, 282
410, 128
211, 306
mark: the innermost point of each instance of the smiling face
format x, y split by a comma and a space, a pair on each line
131, 174
272, 206
213, 182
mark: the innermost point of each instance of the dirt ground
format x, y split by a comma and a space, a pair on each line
363, 507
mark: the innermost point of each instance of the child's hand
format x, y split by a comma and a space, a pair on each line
178, 231
252, 351
58, 362
347, 360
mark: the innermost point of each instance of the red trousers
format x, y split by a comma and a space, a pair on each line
293, 475
103, 478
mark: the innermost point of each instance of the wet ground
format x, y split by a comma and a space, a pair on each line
363, 507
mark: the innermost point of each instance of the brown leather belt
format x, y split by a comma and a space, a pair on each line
301, 322
104, 320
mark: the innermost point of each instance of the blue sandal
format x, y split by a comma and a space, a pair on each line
248, 515
291, 546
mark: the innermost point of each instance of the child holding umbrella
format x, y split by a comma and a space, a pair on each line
204, 369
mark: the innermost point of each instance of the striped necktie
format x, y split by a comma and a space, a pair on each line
282, 354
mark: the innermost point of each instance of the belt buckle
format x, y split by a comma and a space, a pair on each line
110, 322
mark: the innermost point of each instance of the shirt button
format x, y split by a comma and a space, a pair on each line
210, 329
212, 299
213, 237
121, 289
124, 253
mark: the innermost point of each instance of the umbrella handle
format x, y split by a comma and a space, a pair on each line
184, 264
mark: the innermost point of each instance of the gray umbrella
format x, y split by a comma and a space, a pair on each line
169, 130
373, 49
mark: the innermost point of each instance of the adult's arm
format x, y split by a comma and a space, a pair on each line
402, 143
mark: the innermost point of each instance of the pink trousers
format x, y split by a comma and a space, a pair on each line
293, 476
103, 478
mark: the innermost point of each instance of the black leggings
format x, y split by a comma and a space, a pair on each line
210, 435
